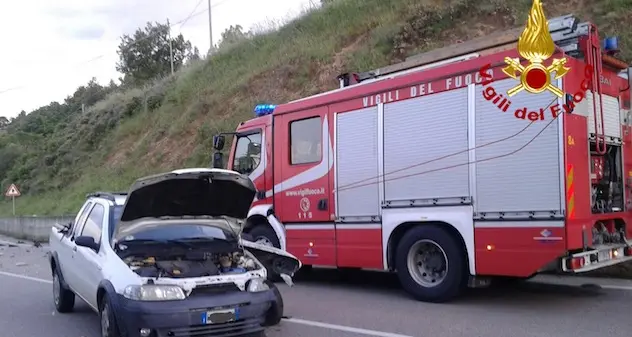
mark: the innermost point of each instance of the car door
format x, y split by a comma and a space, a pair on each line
67, 247
88, 261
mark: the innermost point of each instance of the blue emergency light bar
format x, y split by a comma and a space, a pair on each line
611, 44
264, 109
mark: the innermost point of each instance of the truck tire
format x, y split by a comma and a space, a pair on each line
275, 313
109, 328
431, 264
63, 297
265, 235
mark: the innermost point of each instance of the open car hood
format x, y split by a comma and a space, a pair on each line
186, 193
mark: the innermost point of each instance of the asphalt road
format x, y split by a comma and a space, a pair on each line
327, 303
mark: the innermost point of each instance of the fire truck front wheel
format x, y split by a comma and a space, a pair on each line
431, 264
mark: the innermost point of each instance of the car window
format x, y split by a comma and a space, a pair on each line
305, 141
94, 223
77, 226
177, 232
247, 153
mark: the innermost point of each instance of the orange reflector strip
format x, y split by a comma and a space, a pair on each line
570, 192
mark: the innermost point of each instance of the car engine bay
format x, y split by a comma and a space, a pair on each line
195, 263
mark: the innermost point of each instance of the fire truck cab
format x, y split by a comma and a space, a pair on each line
429, 169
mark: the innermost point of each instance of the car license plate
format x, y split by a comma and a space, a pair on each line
604, 256
219, 316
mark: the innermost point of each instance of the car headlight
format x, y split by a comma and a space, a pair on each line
154, 292
257, 285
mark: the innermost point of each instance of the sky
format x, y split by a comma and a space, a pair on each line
52, 47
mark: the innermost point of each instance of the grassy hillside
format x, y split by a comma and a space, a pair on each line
57, 154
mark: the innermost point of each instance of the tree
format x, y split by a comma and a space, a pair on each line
145, 55
232, 35
3, 122
195, 55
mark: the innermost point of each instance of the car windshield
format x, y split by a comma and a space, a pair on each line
179, 232
117, 211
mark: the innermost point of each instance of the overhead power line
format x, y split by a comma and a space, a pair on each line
182, 22
191, 14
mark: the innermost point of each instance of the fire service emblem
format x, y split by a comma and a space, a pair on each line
536, 45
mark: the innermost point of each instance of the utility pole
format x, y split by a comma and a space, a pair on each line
210, 26
170, 47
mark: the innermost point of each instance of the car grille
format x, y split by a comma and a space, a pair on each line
237, 328
210, 289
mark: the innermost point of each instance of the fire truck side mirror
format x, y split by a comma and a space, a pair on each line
218, 142
218, 160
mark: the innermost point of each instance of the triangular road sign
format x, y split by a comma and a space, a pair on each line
13, 191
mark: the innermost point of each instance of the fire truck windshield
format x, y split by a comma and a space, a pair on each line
247, 153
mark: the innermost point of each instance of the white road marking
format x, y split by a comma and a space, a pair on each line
344, 328
24, 277
308, 322
615, 287
299, 321
291, 320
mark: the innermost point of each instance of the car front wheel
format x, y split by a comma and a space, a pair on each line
275, 313
64, 299
108, 323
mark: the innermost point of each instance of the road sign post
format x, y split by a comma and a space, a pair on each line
13, 192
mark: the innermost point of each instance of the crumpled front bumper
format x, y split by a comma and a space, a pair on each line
185, 318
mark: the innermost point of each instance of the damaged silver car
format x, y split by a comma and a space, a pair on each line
174, 264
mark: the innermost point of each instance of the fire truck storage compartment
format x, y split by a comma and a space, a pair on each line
418, 133
357, 163
611, 115
520, 172
606, 177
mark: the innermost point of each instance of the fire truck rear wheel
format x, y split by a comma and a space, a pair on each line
265, 235
431, 264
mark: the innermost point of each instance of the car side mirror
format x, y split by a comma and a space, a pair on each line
66, 228
86, 241
218, 160
219, 142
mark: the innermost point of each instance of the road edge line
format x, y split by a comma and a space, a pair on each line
303, 321
615, 287
291, 320
24, 277
343, 328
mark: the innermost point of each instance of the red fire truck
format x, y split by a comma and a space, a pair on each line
420, 168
